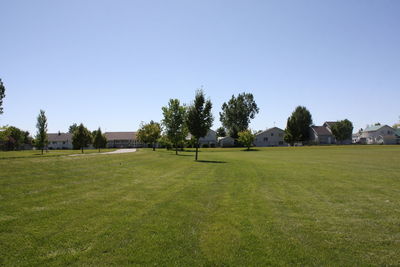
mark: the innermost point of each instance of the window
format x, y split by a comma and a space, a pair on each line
265, 139
272, 134
280, 142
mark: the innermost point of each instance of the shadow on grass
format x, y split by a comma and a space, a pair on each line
251, 149
211, 161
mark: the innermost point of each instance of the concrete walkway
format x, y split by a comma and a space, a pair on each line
118, 151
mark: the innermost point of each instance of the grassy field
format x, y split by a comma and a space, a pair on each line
274, 206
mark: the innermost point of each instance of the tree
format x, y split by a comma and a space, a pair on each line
174, 122
12, 138
72, 128
149, 133
221, 132
2, 95
237, 113
246, 138
99, 139
165, 142
342, 130
298, 126
81, 137
41, 135
199, 118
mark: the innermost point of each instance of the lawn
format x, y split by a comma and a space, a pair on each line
273, 206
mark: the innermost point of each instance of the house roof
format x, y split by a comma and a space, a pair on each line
374, 128
59, 137
321, 130
225, 138
269, 129
330, 123
120, 135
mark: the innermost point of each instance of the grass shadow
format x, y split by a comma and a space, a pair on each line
211, 161
251, 149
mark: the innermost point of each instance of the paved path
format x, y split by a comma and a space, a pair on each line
118, 151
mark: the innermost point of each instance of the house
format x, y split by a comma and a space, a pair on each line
209, 140
270, 137
122, 140
321, 135
59, 141
397, 133
226, 141
328, 125
379, 134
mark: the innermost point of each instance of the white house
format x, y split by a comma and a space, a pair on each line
379, 134
59, 140
210, 139
270, 137
226, 141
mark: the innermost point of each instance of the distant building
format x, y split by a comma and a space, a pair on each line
226, 141
380, 134
210, 139
270, 137
59, 141
321, 135
122, 140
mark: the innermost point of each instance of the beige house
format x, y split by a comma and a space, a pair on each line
226, 141
59, 141
122, 140
270, 137
379, 134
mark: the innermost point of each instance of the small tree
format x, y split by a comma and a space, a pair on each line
174, 122
149, 133
99, 139
237, 113
2, 95
81, 138
41, 140
221, 132
246, 138
199, 118
298, 126
342, 130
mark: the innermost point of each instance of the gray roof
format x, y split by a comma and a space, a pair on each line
269, 129
321, 130
375, 128
120, 135
59, 137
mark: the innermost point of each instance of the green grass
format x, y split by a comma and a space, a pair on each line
274, 206
49, 153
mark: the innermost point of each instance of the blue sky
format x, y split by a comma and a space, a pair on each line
116, 63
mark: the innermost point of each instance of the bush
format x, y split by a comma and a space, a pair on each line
205, 146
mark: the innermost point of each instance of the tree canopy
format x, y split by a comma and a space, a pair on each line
72, 128
2, 95
174, 122
221, 132
12, 138
246, 138
149, 133
41, 140
237, 113
99, 139
342, 130
199, 117
81, 138
298, 126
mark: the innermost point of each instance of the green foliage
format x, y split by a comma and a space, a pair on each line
99, 139
72, 128
41, 140
149, 133
221, 132
81, 138
174, 122
396, 125
199, 117
246, 138
237, 113
342, 130
298, 126
2, 95
12, 138
165, 142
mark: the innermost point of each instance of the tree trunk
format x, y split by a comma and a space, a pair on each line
99, 149
82, 149
176, 149
154, 146
42, 151
197, 148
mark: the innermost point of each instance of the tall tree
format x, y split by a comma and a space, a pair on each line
246, 138
41, 134
221, 132
150, 133
2, 95
81, 137
12, 138
342, 130
298, 126
174, 122
237, 113
72, 128
99, 139
199, 118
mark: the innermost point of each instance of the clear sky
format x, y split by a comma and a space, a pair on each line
116, 63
